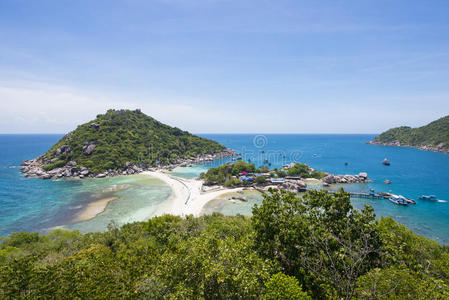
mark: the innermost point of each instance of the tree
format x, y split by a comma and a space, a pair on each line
319, 238
400, 283
282, 286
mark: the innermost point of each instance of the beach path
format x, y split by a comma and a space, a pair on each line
187, 196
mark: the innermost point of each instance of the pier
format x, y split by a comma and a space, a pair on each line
379, 196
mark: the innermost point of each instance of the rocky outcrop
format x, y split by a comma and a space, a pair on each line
88, 148
294, 186
439, 148
95, 126
63, 150
36, 167
334, 179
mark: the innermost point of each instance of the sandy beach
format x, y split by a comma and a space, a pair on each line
187, 196
93, 209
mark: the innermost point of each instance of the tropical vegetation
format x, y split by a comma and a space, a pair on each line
228, 174
435, 134
312, 247
121, 137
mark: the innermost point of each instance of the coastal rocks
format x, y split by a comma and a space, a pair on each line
329, 179
52, 161
64, 149
84, 171
438, 148
334, 179
35, 167
294, 185
88, 148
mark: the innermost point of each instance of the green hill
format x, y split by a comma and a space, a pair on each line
119, 139
434, 136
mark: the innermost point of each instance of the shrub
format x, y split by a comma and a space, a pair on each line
260, 180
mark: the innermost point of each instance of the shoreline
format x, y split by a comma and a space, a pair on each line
422, 148
35, 168
93, 209
188, 197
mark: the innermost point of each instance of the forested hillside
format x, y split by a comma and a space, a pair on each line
434, 136
117, 139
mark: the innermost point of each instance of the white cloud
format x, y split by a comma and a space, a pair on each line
30, 107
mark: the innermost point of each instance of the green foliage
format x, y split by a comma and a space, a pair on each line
282, 286
304, 171
128, 136
208, 267
319, 238
300, 170
317, 174
57, 164
17, 239
314, 247
260, 180
433, 134
232, 182
396, 283
224, 173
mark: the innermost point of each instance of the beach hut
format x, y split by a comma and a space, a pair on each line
246, 178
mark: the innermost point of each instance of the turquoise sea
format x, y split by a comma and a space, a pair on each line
28, 204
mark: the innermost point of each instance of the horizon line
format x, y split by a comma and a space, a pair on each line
227, 133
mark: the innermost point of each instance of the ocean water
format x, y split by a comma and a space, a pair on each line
32, 204
28, 204
413, 173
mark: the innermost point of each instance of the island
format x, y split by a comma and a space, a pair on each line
431, 137
122, 142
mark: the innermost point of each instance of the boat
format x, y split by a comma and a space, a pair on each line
397, 200
430, 197
387, 181
385, 162
408, 200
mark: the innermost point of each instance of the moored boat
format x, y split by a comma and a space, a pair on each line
408, 200
385, 162
398, 200
430, 197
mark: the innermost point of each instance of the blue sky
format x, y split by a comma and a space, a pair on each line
225, 66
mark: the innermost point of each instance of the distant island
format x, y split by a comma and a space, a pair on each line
432, 137
121, 142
